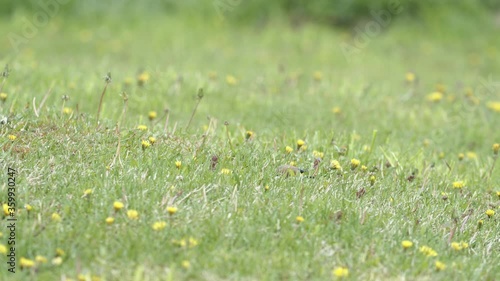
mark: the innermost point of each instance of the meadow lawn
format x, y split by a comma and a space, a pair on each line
173, 183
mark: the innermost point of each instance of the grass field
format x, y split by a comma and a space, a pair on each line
398, 143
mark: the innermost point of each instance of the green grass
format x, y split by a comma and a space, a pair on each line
243, 230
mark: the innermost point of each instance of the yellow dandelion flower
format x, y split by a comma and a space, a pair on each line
225, 171
67, 110
142, 78
496, 148
132, 214
428, 251
6, 211
458, 184
364, 168
435, 97
3, 97
372, 179
318, 154
456, 246
26, 263
192, 242
152, 140
471, 155
159, 225
87, 192
410, 77
498, 194
186, 264
490, 213
461, 156
171, 210
266, 187
355, 163
142, 127
441, 155
336, 110
249, 135
178, 164
145, 144
335, 165
231, 80
117, 205
317, 75
152, 115
340, 272
494, 105
299, 219
40, 259
57, 261
3, 249
28, 207
480, 223
303, 148
12, 137
300, 143
110, 220
288, 149
440, 266
406, 244
56, 217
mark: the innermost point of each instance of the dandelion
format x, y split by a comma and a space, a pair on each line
458, 184
336, 110
249, 135
186, 264
6, 211
152, 140
225, 171
28, 207
56, 217
335, 165
406, 244
60, 252
372, 179
159, 225
3, 97
152, 115
440, 266
57, 261
490, 213
494, 105
317, 75
299, 219
171, 210
40, 259
192, 242
480, 223
132, 214
231, 80
471, 155
12, 137
459, 246
117, 205
496, 148
3, 249
145, 144
461, 156
364, 168
498, 194
67, 110
318, 154
340, 272
110, 220
142, 127
142, 78
428, 251
300, 143
435, 97
26, 263
355, 163
266, 187
87, 192
178, 164
410, 77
